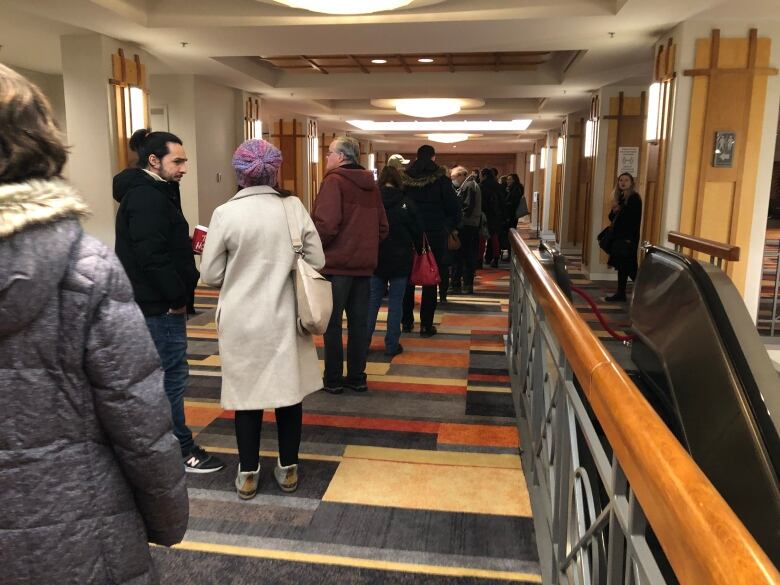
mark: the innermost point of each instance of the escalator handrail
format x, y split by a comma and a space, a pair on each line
700, 534
705, 246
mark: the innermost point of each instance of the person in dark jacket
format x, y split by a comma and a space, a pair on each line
351, 221
470, 197
626, 218
90, 470
430, 187
493, 206
153, 243
395, 258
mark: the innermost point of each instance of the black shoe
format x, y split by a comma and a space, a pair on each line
359, 387
333, 388
618, 297
428, 331
407, 327
468, 290
198, 461
494, 263
455, 290
392, 353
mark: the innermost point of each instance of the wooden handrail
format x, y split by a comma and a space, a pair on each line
711, 247
702, 537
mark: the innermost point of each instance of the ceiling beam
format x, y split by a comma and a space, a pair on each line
314, 65
449, 63
404, 64
359, 64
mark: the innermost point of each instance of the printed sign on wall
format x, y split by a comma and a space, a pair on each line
628, 160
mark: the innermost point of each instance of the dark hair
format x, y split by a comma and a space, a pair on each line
31, 145
515, 178
147, 143
426, 152
487, 173
390, 175
495, 171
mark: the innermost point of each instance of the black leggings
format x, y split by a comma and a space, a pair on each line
289, 421
622, 280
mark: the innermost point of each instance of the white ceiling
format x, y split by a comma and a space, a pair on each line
225, 37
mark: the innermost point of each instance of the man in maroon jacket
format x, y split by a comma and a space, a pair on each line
351, 221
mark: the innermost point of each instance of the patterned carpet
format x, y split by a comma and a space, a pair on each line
416, 481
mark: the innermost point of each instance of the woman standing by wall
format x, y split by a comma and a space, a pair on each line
266, 363
626, 218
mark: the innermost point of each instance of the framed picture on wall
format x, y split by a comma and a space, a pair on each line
723, 155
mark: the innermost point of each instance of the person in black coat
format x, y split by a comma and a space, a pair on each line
429, 186
153, 243
395, 258
626, 218
493, 207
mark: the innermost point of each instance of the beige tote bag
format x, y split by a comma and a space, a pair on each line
313, 295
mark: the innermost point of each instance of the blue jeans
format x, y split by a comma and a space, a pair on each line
395, 307
169, 333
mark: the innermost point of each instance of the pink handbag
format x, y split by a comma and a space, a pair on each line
425, 271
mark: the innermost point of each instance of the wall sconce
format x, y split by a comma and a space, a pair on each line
130, 101
543, 158
589, 142
371, 161
653, 113
532, 162
315, 150
559, 153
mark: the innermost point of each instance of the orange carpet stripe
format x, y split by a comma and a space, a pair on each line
478, 435
353, 422
488, 378
421, 388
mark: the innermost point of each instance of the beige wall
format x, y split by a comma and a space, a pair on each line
215, 129
53, 88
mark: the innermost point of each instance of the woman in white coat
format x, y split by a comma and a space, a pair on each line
266, 363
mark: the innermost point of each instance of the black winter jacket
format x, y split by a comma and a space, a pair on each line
428, 185
153, 241
89, 468
493, 203
626, 228
395, 252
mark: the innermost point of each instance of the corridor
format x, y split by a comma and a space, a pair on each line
416, 481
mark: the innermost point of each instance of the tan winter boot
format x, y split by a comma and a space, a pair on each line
247, 483
286, 477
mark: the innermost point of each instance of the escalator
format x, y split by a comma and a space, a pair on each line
697, 358
707, 374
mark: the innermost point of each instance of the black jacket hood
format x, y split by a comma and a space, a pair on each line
391, 196
134, 177
421, 173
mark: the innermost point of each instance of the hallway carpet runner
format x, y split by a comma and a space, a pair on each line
416, 481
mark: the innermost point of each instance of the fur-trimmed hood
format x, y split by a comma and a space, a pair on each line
36, 202
422, 173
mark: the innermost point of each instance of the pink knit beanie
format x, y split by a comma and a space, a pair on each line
257, 162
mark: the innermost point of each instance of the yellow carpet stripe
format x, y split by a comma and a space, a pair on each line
260, 553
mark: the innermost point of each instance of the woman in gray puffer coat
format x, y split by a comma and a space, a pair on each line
89, 468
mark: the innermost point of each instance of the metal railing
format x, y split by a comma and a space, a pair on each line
606, 476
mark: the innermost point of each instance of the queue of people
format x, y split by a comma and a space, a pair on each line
98, 338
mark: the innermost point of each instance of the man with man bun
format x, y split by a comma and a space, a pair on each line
153, 243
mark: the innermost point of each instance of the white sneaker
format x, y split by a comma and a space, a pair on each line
247, 482
286, 477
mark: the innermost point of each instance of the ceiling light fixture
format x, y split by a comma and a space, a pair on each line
448, 138
379, 61
442, 126
345, 6
428, 107
425, 60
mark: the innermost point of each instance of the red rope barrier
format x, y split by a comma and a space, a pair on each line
600, 317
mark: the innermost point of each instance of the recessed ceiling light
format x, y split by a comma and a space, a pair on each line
425, 60
442, 126
345, 6
448, 137
428, 107
379, 61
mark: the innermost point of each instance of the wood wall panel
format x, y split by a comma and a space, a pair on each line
729, 94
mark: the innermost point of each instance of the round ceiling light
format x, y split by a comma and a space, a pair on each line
428, 107
379, 61
448, 138
346, 6
425, 60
